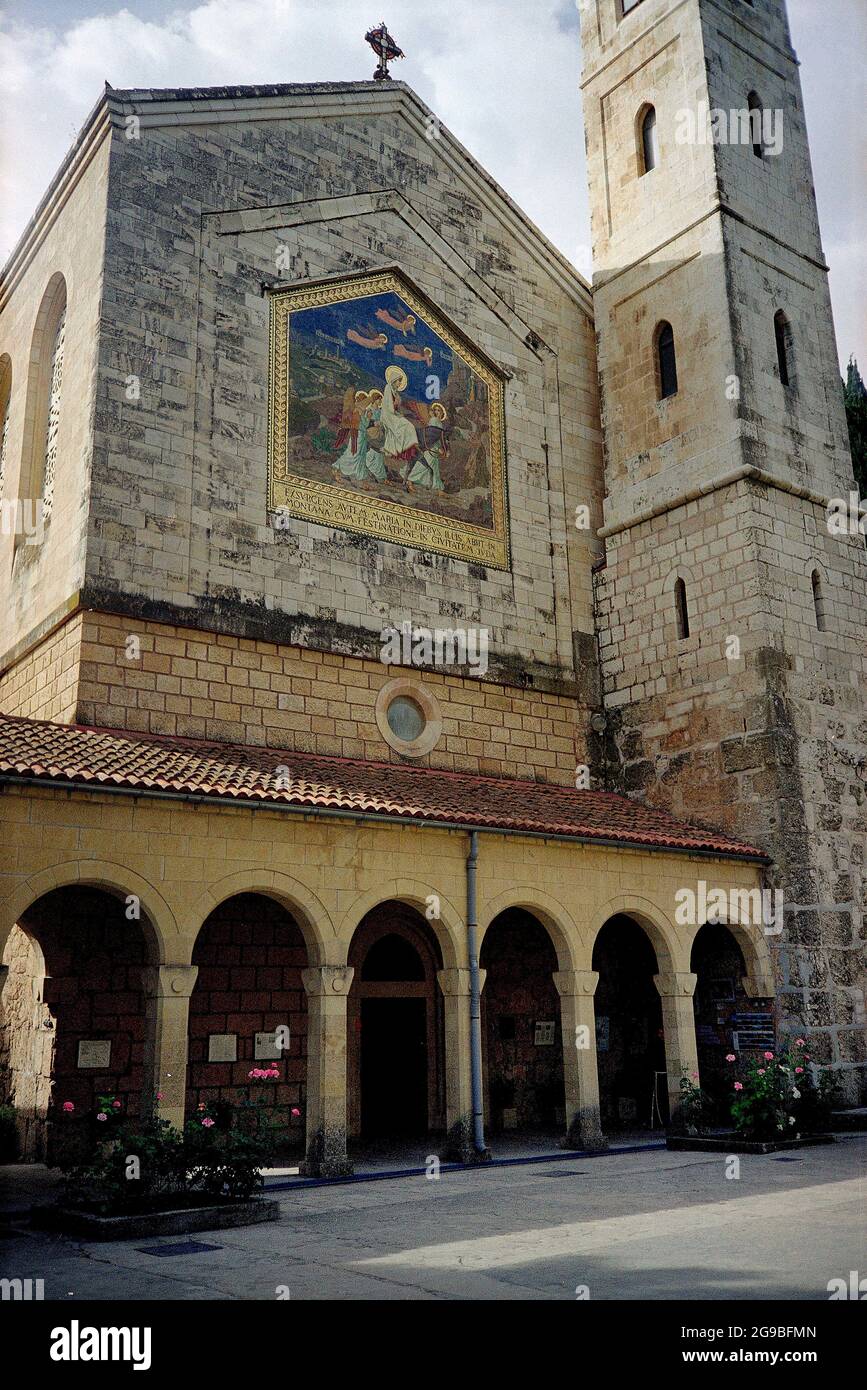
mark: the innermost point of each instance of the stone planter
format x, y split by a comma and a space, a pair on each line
735, 1144
175, 1221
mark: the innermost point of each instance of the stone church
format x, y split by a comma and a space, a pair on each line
421, 671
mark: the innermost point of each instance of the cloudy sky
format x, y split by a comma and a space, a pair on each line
501, 74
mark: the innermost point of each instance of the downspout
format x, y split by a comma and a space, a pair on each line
475, 998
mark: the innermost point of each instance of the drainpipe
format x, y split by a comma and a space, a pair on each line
475, 998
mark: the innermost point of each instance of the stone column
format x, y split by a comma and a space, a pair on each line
327, 987
167, 990
678, 1025
455, 985
576, 989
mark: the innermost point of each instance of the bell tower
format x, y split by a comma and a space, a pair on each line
731, 613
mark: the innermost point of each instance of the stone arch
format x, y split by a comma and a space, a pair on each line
313, 918
53, 306
753, 947
448, 929
158, 921
566, 937
672, 951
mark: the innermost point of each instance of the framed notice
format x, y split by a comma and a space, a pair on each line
223, 1047
544, 1034
94, 1053
265, 1048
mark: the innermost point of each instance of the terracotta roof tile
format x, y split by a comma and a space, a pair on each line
46, 752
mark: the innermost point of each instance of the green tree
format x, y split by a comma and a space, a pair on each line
855, 397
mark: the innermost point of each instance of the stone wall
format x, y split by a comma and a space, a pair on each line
249, 956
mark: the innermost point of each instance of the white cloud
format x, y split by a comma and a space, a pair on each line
501, 74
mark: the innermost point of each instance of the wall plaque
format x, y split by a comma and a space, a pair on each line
265, 1048
94, 1053
544, 1033
223, 1047
385, 419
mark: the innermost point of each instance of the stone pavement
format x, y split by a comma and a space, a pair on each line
646, 1225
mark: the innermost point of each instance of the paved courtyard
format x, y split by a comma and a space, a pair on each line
642, 1225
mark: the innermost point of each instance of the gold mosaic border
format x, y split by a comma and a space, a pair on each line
328, 504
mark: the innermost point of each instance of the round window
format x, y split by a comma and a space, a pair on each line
406, 718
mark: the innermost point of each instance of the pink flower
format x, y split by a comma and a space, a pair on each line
761, 1071
115, 1105
738, 1086
207, 1122
68, 1106
201, 1105
159, 1095
769, 1056
798, 1071
799, 1042
295, 1112
102, 1115
730, 1057
695, 1076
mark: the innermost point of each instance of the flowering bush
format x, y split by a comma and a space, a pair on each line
145, 1164
692, 1114
776, 1096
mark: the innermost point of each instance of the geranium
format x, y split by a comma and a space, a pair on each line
800, 1042
769, 1056
68, 1106
799, 1071
730, 1057
115, 1105
738, 1086
295, 1112
761, 1071
207, 1122
102, 1115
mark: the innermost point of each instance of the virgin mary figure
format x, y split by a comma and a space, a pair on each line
400, 442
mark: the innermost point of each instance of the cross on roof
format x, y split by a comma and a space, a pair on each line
386, 49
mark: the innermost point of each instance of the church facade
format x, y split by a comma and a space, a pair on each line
381, 602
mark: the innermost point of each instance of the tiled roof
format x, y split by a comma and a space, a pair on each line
104, 758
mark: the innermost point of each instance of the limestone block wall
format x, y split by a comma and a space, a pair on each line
334, 180
65, 238
768, 745
42, 681
195, 684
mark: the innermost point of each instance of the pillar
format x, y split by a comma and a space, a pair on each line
327, 987
167, 990
576, 989
676, 991
455, 986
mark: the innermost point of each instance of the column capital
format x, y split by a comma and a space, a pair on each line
327, 980
575, 982
456, 981
168, 981
677, 984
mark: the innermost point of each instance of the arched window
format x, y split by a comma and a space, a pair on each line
44, 392
754, 102
783, 335
5, 394
648, 152
666, 361
818, 600
681, 609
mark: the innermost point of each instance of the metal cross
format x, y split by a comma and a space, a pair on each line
385, 48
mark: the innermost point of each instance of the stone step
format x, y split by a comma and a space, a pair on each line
855, 1119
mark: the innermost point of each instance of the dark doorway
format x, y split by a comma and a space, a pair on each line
394, 1074
630, 1048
